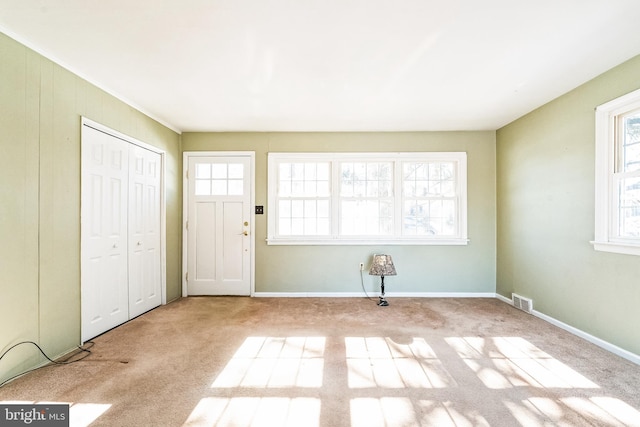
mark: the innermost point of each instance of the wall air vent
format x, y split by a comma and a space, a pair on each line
522, 303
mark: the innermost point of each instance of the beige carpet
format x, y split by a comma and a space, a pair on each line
339, 362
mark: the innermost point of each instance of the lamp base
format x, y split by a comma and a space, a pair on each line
383, 302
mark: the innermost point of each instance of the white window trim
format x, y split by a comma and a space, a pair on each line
605, 200
459, 157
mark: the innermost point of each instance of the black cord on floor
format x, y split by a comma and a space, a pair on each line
362, 283
85, 350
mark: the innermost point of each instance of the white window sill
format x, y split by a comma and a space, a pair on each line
346, 242
620, 248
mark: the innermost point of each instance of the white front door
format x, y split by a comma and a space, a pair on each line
145, 283
219, 241
105, 173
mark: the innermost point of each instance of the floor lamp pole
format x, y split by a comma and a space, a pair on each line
383, 302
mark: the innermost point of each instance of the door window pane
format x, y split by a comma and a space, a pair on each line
236, 170
219, 179
203, 171
203, 187
219, 170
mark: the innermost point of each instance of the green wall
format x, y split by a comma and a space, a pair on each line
41, 105
545, 182
304, 269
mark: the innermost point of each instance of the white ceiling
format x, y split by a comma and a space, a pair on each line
331, 65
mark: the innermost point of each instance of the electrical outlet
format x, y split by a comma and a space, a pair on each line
361, 266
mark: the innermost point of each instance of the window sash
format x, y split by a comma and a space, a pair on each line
617, 201
367, 199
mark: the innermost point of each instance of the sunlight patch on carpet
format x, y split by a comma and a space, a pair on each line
381, 362
275, 362
256, 412
506, 362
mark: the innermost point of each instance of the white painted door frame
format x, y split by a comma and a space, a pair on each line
187, 155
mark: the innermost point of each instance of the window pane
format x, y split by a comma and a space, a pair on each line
372, 189
366, 217
297, 226
310, 188
310, 171
323, 188
203, 187
631, 142
323, 209
323, 226
310, 208
303, 179
304, 217
297, 171
219, 187
203, 170
629, 212
413, 171
297, 188
219, 170
284, 226
428, 179
323, 171
284, 189
429, 217
366, 179
297, 208
284, 209
310, 226
358, 188
284, 171
236, 171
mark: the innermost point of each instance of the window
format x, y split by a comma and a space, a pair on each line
618, 175
367, 198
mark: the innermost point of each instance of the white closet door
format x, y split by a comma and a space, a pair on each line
121, 236
105, 175
144, 231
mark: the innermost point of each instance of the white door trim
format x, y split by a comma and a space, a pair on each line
185, 208
163, 208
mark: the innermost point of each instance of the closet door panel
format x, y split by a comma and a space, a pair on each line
144, 231
104, 273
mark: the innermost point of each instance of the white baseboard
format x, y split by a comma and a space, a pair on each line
504, 299
309, 294
374, 294
632, 357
